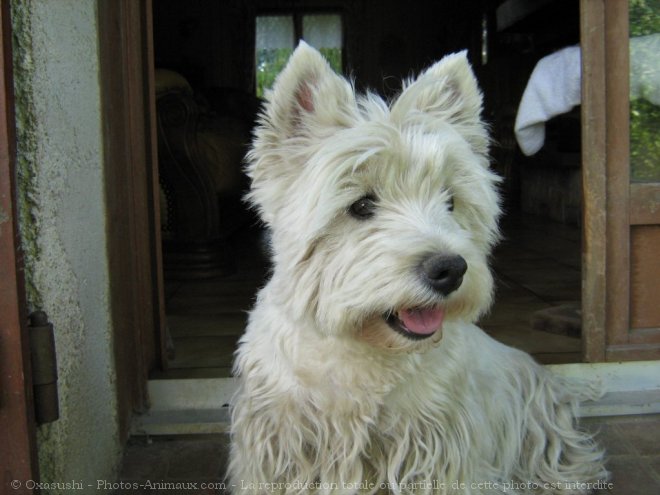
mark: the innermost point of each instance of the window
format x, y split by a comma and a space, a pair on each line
276, 38
645, 90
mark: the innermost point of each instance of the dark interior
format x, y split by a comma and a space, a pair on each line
213, 248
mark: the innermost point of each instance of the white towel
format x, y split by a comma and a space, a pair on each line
552, 89
645, 68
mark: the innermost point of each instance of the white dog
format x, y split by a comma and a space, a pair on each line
360, 370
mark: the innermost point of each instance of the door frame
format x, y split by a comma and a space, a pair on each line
125, 29
613, 206
131, 176
18, 455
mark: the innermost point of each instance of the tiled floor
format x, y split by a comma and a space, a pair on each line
537, 266
632, 444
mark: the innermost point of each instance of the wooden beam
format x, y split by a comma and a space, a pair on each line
129, 153
618, 172
594, 180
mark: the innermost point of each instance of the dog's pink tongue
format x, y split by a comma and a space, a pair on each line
422, 321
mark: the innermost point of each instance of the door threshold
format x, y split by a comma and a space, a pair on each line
202, 405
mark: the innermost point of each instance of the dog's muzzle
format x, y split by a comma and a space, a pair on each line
443, 274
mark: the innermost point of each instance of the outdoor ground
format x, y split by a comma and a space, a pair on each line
632, 444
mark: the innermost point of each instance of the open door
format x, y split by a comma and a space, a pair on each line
621, 163
18, 459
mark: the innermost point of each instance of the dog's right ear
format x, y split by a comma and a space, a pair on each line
307, 103
307, 95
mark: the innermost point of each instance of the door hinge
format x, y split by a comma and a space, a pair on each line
44, 368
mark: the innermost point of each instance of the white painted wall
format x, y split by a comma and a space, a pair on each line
61, 202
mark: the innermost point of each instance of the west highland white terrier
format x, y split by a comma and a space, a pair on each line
361, 370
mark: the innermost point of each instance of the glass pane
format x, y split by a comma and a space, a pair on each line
273, 46
645, 90
323, 32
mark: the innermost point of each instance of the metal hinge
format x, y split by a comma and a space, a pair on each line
44, 368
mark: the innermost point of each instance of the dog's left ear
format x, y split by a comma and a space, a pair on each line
446, 92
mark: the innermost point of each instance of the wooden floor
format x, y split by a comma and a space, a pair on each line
205, 318
537, 266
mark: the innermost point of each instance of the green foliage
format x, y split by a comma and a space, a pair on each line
271, 61
644, 116
269, 64
333, 56
644, 140
644, 17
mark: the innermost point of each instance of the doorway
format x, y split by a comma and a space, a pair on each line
532, 53
210, 46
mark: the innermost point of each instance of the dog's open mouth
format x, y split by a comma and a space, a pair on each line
416, 323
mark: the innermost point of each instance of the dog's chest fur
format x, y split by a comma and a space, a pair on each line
398, 419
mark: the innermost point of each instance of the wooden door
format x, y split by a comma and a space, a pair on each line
621, 265
136, 277
18, 459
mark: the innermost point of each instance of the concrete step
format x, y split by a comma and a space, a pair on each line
186, 406
202, 405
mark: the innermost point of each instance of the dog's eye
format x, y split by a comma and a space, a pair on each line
363, 208
450, 205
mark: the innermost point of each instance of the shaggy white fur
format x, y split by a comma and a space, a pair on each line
360, 370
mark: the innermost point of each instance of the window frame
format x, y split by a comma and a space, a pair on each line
298, 14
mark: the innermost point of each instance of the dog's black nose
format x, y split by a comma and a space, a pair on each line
444, 273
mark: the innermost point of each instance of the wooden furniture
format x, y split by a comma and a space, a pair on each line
199, 161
